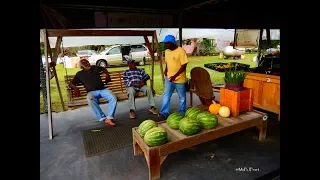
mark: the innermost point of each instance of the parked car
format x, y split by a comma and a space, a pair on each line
114, 55
86, 53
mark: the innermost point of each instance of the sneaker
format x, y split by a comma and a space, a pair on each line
162, 117
153, 111
132, 115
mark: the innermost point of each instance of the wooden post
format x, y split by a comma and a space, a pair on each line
180, 27
159, 57
45, 38
268, 38
263, 130
152, 57
234, 38
259, 47
54, 60
136, 148
153, 60
154, 164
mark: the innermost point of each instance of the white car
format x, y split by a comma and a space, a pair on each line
114, 55
86, 53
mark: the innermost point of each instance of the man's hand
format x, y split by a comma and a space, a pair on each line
76, 92
214, 102
141, 84
107, 79
172, 78
138, 85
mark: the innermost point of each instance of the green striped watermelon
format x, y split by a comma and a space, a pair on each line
207, 120
189, 126
156, 136
192, 112
174, 119
145, 126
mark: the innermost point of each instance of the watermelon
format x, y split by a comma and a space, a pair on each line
145, 126
192, 112
189, 126
174, 119
155, 136
207, 120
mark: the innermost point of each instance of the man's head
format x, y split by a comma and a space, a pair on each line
131, 63
170, 42
84, 64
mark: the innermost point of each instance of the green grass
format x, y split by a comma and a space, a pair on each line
194, 61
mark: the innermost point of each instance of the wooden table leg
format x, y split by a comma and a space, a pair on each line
136, 148
154, 164
263, 130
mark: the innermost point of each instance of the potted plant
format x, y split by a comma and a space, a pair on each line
234, 79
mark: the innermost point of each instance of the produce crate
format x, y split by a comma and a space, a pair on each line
237, 101
222, 67
177, 141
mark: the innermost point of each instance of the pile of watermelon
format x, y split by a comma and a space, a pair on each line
193, 121
189, 124
152, 134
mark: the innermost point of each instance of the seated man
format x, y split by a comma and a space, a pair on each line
135, 80
90, 78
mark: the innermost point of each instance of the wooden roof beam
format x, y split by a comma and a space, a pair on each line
66, 32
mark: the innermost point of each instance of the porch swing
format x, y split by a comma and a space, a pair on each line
116, 85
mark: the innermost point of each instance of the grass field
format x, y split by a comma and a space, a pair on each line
194, 61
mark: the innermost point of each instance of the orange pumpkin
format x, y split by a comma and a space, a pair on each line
214, 108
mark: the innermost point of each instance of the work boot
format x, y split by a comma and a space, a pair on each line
132, 114
153, 110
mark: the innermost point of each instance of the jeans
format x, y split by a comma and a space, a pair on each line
131, 92
169, 87
93, 101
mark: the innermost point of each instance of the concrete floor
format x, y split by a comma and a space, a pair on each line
63, 157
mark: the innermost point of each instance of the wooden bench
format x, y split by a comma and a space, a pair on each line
116, 85
178, 141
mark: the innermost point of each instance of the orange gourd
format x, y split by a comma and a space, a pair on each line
214, 108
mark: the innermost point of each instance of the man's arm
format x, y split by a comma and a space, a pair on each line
125, 78
108, 79
73, 84
181, 70
165, 70
145, 77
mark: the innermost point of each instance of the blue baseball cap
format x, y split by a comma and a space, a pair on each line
171, 39
128, 59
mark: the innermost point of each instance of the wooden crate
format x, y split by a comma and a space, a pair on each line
237, 101
177, 141
266, 89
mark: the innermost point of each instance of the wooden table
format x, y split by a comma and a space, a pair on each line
178, 141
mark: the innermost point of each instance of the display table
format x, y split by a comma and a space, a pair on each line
178, 141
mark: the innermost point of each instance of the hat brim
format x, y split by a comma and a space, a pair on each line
170, 42
130, 62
